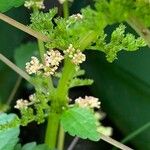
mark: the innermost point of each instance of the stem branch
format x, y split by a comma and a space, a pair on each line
115, 143
23, 27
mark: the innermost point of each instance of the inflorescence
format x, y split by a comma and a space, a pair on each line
88, 101
62, 1
39, 4
52, 60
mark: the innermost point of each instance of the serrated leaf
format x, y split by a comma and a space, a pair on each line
5, 5
24, 52
80, 82
8, 137
80, 72
80, 122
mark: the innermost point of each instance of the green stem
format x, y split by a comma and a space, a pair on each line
41, 49
61, 138
66, 9
52, 130
135, 133
67, 75
60, 98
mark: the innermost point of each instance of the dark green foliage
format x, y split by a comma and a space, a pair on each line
24, 52
5, 5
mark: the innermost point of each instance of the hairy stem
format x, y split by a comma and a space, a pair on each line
23, 27
15, 68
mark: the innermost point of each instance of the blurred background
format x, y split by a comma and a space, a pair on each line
123, 87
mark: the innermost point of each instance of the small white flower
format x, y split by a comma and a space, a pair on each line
29, 4
53, 58
21, 104
50, 70
77, 16
32, 3
88, 101
40, 5
32, 98
33, 66
76, 55
70, 51
78, 58
62, 1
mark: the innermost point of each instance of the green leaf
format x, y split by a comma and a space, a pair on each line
80, 82
24, 52
5, 5
8, 136
34, 146
80, 122
119, 41
29, 146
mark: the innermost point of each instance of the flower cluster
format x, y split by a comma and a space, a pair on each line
33, 66
88, 101
21, 104
77, 16
62, 1
52, 59
32, 3
76, 55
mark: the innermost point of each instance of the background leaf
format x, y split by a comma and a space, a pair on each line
124, 89
5, 5
10, 38
24, 52
80, 122
8, 137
